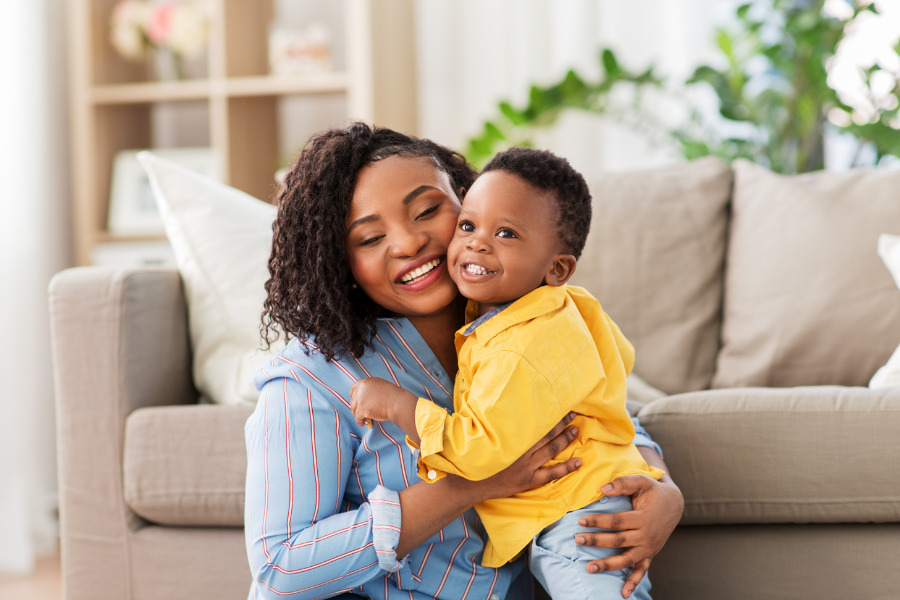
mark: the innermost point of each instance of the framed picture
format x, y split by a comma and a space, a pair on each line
132, 206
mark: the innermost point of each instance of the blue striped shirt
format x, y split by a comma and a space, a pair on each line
322, 511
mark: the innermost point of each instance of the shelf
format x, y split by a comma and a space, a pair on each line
247, 116
143, 93
336, 82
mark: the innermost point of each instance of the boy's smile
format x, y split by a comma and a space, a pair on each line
506, 242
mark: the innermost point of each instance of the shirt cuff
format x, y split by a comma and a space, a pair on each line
642, 438
385, 507
430, 421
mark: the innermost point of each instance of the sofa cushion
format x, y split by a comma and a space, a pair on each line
807, 301
654, 259
221, 238
889, 251
819, 454
186, 465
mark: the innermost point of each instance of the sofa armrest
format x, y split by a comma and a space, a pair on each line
119, 342
818, 454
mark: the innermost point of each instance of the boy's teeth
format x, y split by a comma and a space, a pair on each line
477, 270
420, 271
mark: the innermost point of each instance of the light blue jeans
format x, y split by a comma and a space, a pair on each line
561, 565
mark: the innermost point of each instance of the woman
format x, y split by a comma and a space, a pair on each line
358, 281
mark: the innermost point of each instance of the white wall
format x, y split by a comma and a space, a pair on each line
34, 244
474, 53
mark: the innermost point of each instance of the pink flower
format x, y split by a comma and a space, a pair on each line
159, 25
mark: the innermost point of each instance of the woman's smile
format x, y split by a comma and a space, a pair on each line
414, 275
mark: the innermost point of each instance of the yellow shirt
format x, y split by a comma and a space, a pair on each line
552, 351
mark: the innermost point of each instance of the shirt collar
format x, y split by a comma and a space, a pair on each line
534, 304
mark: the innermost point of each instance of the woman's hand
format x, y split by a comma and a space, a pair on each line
643, 531
529, 472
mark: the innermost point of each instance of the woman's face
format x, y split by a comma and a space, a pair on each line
402, 216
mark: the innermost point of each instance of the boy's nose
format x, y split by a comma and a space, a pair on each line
476, 243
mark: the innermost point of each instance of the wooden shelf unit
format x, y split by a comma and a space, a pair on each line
113, 100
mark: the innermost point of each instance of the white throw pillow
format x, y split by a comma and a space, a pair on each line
889, 251
221, 239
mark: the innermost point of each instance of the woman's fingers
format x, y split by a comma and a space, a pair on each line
628, 485
640, 569
626, 560
612, 539
557, 471
629, 519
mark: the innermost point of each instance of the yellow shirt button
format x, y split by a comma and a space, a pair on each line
432, 474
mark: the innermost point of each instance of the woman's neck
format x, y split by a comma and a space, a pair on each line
437, 330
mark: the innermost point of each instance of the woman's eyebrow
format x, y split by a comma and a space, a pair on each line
418, 192
406, 200
362, 221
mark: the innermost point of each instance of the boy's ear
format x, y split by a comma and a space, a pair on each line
562, 268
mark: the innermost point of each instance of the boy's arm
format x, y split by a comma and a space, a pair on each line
497, 418
379, 400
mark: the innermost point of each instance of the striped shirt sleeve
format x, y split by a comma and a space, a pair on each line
303, 538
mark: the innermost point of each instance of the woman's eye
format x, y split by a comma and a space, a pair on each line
467, 227
427, 211
507, 233
371, 240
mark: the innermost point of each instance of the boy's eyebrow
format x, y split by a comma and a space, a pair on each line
406, 200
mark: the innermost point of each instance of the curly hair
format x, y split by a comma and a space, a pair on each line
310, 291
546, 171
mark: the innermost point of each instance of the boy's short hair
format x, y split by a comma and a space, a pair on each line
546, 171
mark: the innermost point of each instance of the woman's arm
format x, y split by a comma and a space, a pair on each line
643, 531
309, 545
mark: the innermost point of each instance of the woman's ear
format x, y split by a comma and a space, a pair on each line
562, 268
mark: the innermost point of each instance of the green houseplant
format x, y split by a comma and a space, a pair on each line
772, 85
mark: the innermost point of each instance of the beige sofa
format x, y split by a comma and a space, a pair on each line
757, 303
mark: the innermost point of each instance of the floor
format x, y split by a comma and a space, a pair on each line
44, 584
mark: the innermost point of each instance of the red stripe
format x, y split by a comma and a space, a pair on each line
317, 380
391, 352
315, 458
390, 370
474, 566
266, 478
329, 535
416, 358
312, 587
324, 562
425, 560
377, 459
399, 453
361, 366
337, 443
287, 450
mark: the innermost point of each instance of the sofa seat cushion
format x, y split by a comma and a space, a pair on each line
822, 454
186, 465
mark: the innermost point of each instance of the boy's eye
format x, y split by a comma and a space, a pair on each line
467, 227
506, 233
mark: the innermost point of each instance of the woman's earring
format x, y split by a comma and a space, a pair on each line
353, 286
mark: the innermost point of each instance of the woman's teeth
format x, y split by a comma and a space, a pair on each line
420, 272
477, 269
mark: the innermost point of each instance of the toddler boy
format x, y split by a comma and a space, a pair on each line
533, 350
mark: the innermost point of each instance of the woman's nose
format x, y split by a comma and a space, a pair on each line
408, 243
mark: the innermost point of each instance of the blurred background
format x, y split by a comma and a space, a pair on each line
234, 87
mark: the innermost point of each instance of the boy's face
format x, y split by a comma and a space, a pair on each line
506, 242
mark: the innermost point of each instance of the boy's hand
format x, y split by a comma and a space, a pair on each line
374, 399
